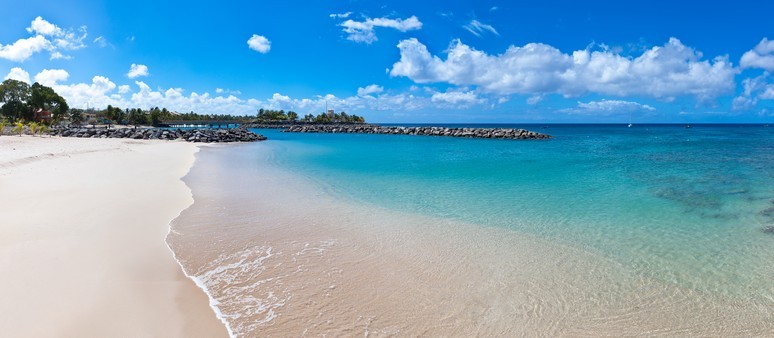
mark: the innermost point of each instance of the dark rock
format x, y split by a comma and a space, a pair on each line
192, 135
497, 133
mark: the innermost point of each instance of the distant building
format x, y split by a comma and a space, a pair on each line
330, 113
41, 115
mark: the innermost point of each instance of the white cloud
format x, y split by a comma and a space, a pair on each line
363, 31
136, 71
59, 56
455, 98
340, 15
662, 72
762, 56
227, 91
94, 94
742, 102
43, 27
535, 99
22, 49
477, 28
608, 107
370, 89
767, 93
259, 43
49, 77
19, 74
48, 37
123, 89
754, 89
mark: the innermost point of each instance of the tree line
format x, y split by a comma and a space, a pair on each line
21, 101
24, 103
273, 116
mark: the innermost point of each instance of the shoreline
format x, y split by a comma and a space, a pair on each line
83, 244
337, 266
212, 302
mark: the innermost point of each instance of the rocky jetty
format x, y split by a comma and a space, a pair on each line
190, 135
496, 133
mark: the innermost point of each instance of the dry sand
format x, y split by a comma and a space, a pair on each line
82, 250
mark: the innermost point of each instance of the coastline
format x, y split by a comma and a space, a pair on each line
281, 254
82, 245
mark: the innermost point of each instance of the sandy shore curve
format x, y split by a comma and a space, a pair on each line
82, 240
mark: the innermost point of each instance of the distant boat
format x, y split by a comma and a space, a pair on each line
687, 126
630, 125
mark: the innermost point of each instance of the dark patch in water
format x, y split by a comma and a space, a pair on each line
768, 230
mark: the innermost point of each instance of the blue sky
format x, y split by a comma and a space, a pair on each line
455, 61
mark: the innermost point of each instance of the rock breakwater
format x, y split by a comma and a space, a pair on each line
190, 135
495, 133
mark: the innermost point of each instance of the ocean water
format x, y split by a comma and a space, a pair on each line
604, 229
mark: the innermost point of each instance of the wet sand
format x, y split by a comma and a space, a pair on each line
82, 250
283, 255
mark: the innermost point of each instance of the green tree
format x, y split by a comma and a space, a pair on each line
292, 116
45, 98
137, 117
15, 94
155, 116
76, 116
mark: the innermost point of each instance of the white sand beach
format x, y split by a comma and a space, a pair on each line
82, 240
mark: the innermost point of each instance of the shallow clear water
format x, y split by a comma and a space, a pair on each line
680, 205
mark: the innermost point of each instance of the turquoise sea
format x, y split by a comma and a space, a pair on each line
685, 205
601, 230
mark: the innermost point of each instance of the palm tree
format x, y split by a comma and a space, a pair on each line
43, 129
33, 127
18, 128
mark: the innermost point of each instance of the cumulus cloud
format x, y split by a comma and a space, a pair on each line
22, 49
370, 89
136, 71
94, 94
363, 31
102, 91
477, 28
456, 99
259, 43
48, 37
18, 74
49, 77
753, 90
762, 56
43, 27
662, 72
608, 107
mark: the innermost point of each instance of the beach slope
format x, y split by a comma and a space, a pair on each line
82, 250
